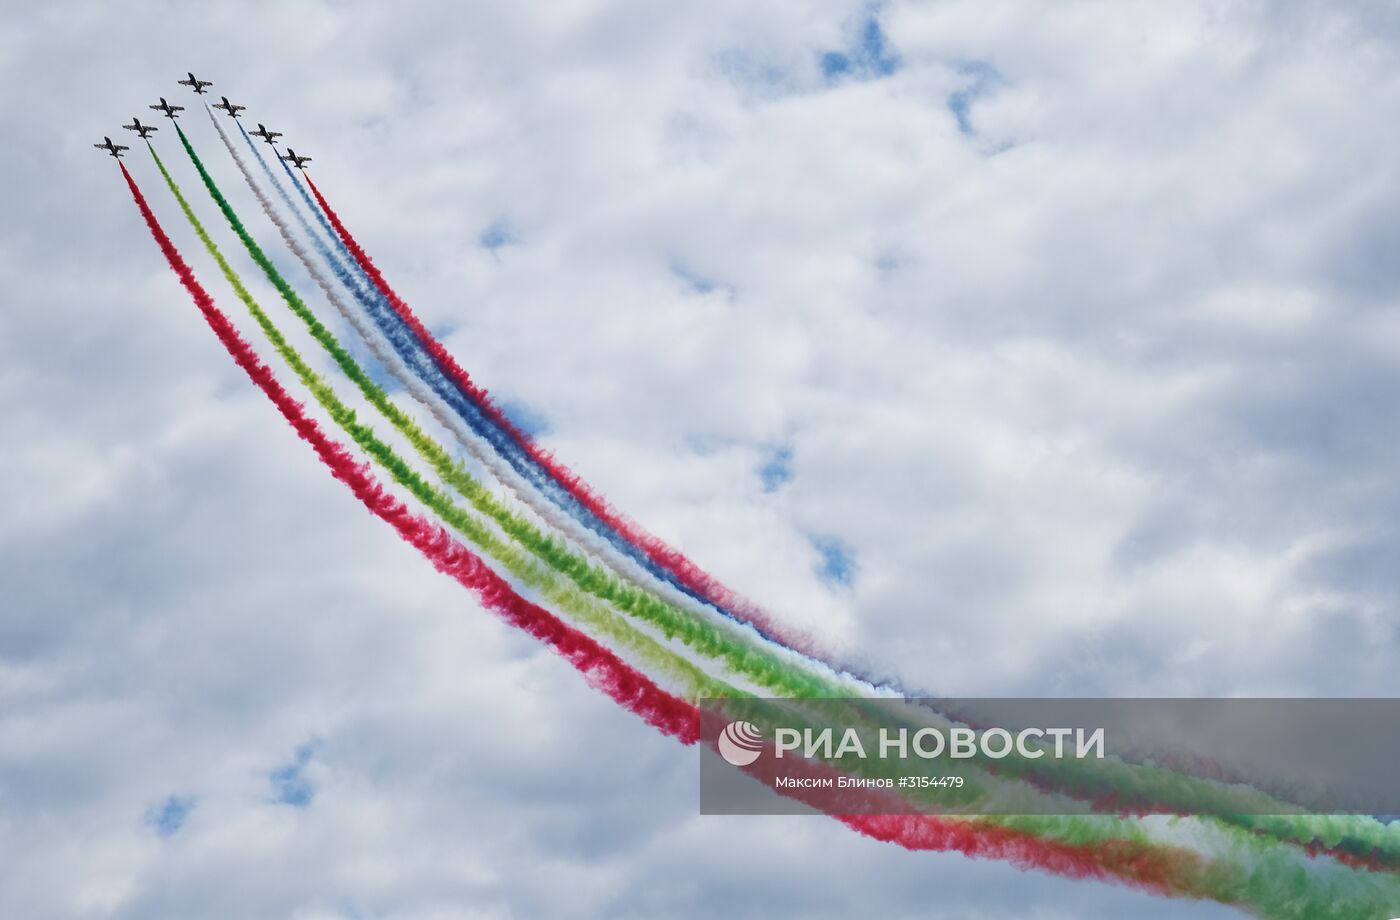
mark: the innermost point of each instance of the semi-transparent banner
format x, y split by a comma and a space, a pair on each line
1223, 757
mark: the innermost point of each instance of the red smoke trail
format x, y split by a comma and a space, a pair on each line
604, 670
1159, 870
691, 575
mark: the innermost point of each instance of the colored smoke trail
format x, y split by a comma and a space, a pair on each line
600, 667
679, 569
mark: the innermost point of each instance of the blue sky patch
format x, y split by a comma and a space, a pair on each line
868, 57
525, 417
169, 816
776, 470
749, 72
697, 282
441, 331
373, 368
983, 77
290, 784
834, 64
497, 234
889, 261
837, 565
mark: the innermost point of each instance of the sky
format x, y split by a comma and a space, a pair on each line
1003, 349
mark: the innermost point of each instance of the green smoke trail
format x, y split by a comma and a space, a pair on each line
738, 651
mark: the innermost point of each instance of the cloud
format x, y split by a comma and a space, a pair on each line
1108, 412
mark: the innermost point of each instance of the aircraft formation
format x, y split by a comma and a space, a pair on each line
171, 111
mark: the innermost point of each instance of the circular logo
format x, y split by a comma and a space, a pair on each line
740, 743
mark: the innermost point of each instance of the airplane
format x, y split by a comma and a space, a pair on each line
114, 149
167, 109
265, 134
195, 83
229, 107
298, 162
142, 131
